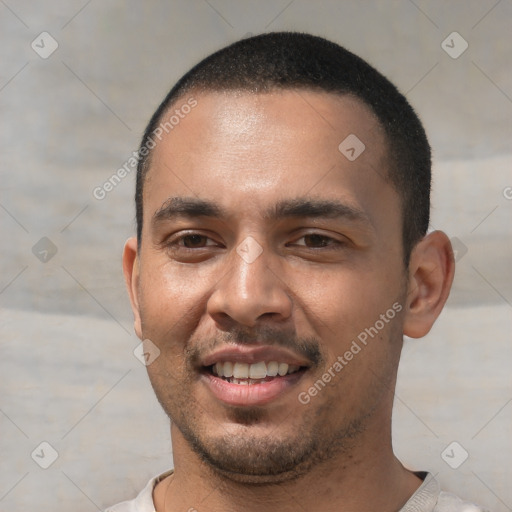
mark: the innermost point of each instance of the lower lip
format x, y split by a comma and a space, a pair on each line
251, 394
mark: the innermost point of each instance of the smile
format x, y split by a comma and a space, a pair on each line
244, 373
243, 384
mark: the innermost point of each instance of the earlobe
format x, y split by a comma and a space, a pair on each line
431, 271
131, 276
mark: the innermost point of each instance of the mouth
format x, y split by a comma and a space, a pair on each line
248, 384
250, 374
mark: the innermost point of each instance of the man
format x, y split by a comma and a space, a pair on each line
281, 255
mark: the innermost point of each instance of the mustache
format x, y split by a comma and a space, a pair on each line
306, 346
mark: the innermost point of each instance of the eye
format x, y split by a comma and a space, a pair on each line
190, 241
315, 240
191, 247
193, 241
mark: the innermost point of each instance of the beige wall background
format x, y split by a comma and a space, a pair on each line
71, 118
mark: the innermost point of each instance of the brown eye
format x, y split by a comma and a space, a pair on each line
315, 240
194, 241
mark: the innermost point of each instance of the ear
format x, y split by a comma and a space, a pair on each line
131, 276
431, 271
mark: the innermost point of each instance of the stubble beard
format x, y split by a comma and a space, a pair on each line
245, 455
286, 450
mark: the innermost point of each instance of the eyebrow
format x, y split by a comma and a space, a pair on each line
192, 207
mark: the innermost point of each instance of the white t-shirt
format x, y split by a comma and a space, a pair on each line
428, 498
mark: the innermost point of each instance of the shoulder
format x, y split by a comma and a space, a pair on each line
144, 500
448, 502
430, 498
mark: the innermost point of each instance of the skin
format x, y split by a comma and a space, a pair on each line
247, 152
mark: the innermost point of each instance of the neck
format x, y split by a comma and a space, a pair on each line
366, 478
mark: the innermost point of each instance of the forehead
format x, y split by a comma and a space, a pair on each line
244, 149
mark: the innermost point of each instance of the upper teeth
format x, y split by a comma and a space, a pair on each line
253, 371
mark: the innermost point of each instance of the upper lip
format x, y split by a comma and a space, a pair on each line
249, 355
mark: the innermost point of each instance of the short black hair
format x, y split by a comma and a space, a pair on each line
292, 60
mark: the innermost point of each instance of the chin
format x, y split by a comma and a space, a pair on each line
260, 454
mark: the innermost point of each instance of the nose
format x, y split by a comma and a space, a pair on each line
249, 291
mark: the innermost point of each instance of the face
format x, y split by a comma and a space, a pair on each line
270, 277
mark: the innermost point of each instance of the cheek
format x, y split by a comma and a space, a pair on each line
171, 295
344, 309
342, 300
358, 374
